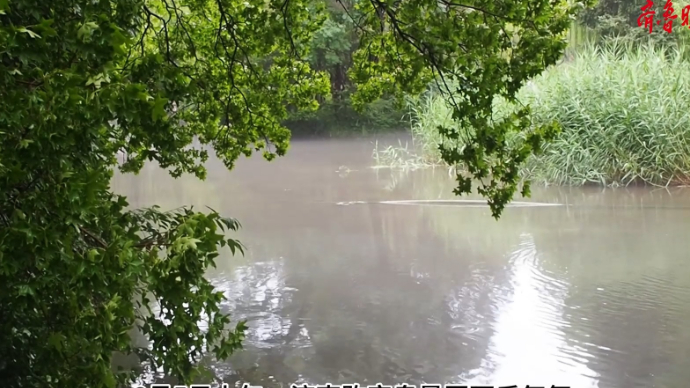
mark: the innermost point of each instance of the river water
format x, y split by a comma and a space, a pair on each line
338, 288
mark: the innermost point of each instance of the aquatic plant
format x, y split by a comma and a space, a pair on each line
623, 114
401, 157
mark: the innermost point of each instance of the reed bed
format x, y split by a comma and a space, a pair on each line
623, 110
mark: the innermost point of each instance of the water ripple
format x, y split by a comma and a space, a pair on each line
528, 334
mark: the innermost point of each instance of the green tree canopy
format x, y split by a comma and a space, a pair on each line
619, 19
83, 81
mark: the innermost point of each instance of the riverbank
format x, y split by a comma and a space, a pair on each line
337, 118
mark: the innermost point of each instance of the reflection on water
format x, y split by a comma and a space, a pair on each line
529, 347
593, 293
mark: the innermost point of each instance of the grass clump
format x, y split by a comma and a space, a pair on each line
623, 112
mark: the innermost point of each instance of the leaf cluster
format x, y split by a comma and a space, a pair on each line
474, 51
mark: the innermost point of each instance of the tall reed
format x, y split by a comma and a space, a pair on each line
623, 109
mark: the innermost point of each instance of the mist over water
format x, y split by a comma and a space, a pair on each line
339, 288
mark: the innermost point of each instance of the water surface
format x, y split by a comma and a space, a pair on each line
338, 288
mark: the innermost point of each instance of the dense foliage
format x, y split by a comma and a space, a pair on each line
620, 107
331, 51
82, 81
619, 19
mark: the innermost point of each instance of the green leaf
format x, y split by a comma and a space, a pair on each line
29, 32
55, 340
158, 111
45, 27
97, 80
86, 30
109, 380
24, 143
25, 289
91, 255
